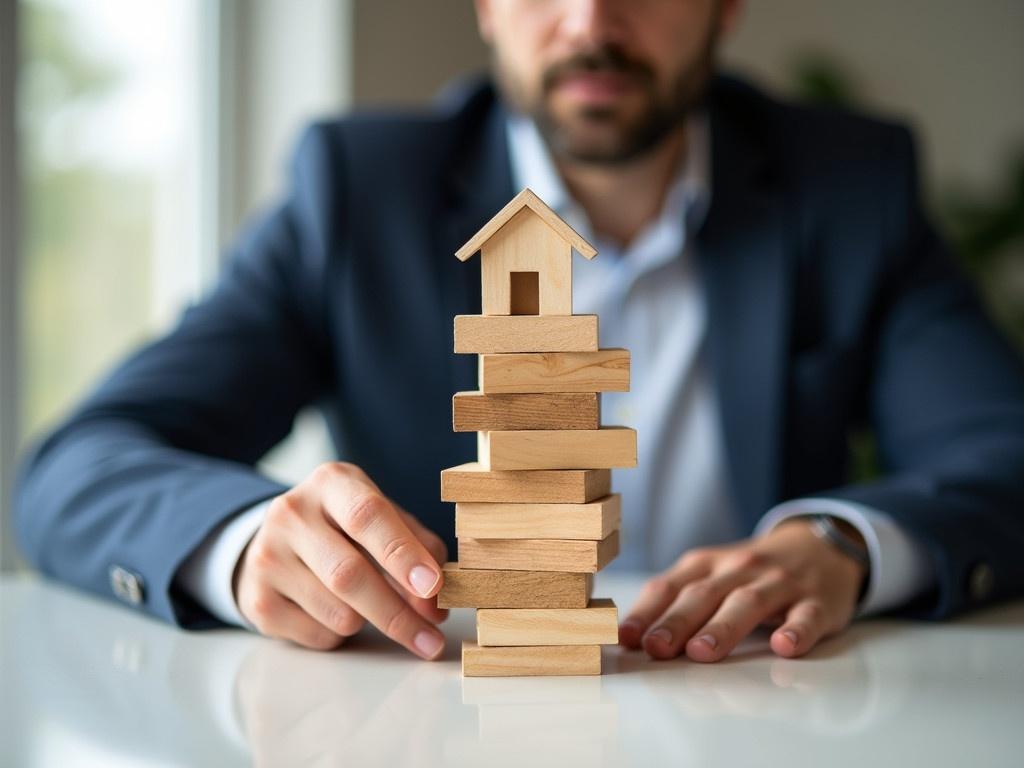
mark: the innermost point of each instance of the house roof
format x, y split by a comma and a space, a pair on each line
527, 199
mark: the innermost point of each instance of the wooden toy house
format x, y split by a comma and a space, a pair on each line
526, 259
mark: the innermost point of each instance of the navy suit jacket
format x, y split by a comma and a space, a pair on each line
832, 305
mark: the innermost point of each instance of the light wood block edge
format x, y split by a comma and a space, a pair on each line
470, 482
597, 624
606, 448
530, 661
590, 521
552, 555
607, 369
503, 334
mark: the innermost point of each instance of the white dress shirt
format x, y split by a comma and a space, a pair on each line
649, 301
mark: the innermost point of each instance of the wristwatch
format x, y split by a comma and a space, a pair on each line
826, 529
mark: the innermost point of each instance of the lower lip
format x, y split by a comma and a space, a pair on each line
598, 87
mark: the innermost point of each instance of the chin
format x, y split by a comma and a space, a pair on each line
595, 138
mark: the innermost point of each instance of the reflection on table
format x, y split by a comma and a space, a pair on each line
90, 683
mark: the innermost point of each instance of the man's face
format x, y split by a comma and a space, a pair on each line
605, 80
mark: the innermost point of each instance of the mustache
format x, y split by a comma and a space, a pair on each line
607, 58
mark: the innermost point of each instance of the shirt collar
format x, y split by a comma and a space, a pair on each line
685, 205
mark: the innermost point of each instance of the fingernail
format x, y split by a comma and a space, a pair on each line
423, 579
791, 635
428, 644
662, 635
708, 640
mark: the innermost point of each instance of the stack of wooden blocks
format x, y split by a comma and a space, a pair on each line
535, 517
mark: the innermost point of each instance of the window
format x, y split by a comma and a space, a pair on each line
524, 292
133, 176
109, 144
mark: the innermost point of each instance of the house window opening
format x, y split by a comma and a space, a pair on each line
524, 293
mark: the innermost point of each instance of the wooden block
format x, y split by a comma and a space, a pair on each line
558, 449
525, 661
469, 588
597, 624
604, 370
471, 482
477, 411
589, 522
476, 334
539, 554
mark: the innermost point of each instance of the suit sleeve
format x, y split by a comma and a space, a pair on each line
164, 449
947, 403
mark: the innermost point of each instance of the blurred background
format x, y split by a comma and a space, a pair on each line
137, 137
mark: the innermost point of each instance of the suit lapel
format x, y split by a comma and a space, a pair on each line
480, 185
747, 284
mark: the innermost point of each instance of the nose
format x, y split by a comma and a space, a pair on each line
590, 23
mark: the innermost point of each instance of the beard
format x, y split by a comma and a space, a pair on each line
613, 134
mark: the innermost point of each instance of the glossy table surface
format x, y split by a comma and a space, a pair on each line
86, 682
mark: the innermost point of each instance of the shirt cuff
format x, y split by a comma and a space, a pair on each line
208, 573
900, 566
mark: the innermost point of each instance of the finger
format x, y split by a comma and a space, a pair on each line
363, 513
354, 580
307, 591
424, 606
694, 605
806, 623
276, 616
741, 611
434, 543
656, 596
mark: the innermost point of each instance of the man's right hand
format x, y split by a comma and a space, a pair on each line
334, 552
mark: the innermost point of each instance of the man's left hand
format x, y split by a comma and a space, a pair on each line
715, 596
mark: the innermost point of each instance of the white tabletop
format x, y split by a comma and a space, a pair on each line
85, 682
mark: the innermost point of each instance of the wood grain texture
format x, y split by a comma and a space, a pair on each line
478, 334
539, 554
471, 482
478, 411
526, 244
526, 198
528, 661
604, 448
475, 588
592, 521
603, 370
597, 624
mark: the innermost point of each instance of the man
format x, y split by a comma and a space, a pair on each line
768, 265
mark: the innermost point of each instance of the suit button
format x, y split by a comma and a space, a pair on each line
981, 581
128, 586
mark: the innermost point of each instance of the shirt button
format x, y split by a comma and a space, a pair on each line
128, 586
981, 581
